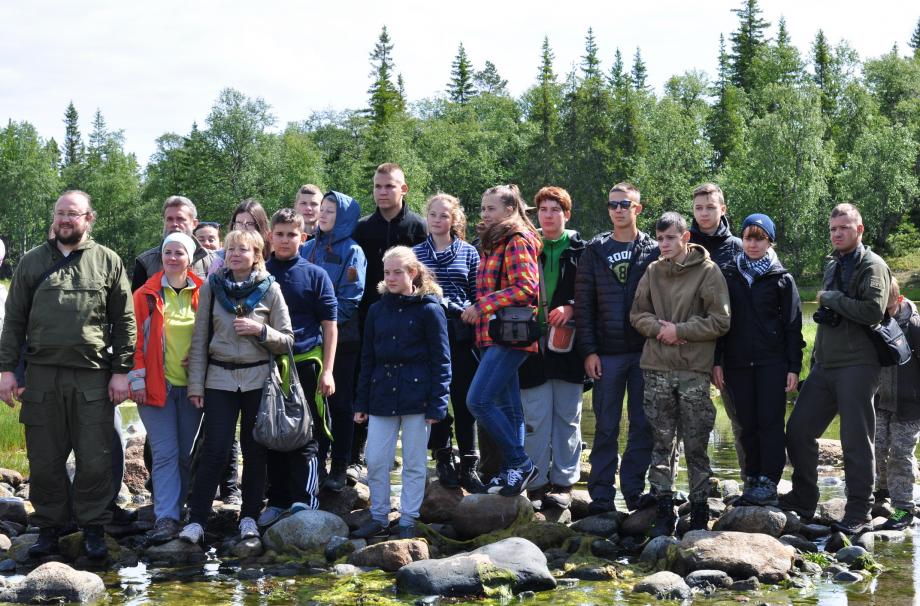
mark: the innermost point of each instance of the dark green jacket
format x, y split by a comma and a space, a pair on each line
81, 316
861, 303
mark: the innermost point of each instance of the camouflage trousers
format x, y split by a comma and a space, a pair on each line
895, 464
677, 404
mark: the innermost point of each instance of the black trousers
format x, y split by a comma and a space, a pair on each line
221, 410
293, 477
463, 364
759, 395
341, 405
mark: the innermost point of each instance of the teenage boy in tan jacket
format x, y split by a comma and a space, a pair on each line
681, 307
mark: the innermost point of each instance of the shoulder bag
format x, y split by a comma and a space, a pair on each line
283, 422
515, 326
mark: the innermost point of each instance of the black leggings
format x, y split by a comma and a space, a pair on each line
759, 395
341, 408
463, 364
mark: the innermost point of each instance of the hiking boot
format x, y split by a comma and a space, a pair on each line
639, 501
898, 520
559, 496
94, 543
122, 516
699, 516
851, 526
665, 518
337, 478
47, 543
495, 484
354, 473
762, 492
164, 531
787, 502
518, 479
881, 495
192, 533
371, 529
537, 496
248, 528
408, 531
469, 474
270, 515
447, 472
234, 498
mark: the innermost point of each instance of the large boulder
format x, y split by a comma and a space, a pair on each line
831, 511
13, 509
439, 502
390, 555
478, 514
305, 531
765, 520
511, 565
739, 554
656, 549
638, 522
55, 582
602, 525
346, 501
19, 548
664, 585
174, 553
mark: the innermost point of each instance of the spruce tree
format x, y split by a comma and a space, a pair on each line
725, 123
385, 100
489, 81
823, 62
915, 39
461, 89
590, 63
544, 111
73, 142
617, 75
639, 73
745, 42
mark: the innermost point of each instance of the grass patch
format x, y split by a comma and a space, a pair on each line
12, 440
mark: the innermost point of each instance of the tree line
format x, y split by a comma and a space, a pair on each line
782, 131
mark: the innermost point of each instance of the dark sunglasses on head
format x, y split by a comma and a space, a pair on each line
623, 204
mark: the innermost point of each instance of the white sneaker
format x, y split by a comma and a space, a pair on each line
192, 533
248, 528
270, 515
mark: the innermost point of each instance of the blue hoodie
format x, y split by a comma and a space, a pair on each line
341, 256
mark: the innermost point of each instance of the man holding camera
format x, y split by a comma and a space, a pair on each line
844, 375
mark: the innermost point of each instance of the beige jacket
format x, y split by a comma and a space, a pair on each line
693, 295
227, 346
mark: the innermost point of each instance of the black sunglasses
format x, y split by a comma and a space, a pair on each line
623, 204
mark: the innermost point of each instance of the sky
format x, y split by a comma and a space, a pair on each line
157, 67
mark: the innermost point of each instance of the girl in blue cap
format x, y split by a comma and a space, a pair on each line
759, 360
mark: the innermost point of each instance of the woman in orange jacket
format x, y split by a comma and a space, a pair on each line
165, 309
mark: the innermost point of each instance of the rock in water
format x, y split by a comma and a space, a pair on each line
248, 548
766, 520
390, 555
602, 525
439, 503
664, 585
13, 509
514, 563
701, 578
349, 499
739, 554
175, 553
479, 514
55, 582
305, 531
656, 549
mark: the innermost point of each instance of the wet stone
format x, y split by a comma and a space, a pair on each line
848, 576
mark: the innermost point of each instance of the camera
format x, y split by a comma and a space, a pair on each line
826, 315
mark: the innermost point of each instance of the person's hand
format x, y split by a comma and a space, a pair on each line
326, 383
792, 382
9, 388
593, 366
668, 333
470, 315
560, 316
431, 421
247, 327
360, 417
818, 296
119, 388
139, 396
197, 401
718, 377
185, 362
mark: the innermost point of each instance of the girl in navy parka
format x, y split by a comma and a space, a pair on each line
333, 249
404, 383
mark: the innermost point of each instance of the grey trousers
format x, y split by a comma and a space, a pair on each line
552, 431
826, 393
895, 464
382, 433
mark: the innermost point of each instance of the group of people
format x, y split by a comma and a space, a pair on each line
399, 330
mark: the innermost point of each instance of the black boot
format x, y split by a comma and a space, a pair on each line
47, 543
665, 519
469, 474
94, 543
447, 472
699, 516
337, 478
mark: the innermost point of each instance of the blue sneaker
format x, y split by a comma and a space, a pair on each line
518, 479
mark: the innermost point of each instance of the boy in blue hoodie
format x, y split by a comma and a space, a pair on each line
333, 249
307, 289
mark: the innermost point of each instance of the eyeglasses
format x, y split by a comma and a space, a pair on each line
622, 204
69, 215
245, 225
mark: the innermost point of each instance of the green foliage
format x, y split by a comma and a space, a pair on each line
915, 39
386, 100
746, 42
461, 89
488, 81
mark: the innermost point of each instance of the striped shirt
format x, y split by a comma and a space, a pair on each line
454, 267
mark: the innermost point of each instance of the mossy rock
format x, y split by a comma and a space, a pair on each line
369, 589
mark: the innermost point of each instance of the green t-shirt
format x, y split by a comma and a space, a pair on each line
179, 323
552, 251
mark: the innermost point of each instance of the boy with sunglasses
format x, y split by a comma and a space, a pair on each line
608, 274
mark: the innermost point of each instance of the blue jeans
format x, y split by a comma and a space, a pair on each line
171, 431
495, 400
619, 373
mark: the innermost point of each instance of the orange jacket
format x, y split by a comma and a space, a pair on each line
148, 372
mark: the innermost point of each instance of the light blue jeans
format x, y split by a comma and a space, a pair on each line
382, 433
171, 431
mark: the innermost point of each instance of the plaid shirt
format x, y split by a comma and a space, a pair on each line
518, 285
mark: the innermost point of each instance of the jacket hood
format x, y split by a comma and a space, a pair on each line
154, 283
723, 232
904, 314
418, 297
696, 255
428, 288
346, 217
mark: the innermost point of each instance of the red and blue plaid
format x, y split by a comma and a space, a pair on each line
519, 283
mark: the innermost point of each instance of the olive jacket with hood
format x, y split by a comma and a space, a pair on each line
693, 295
405, 356
344, 261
